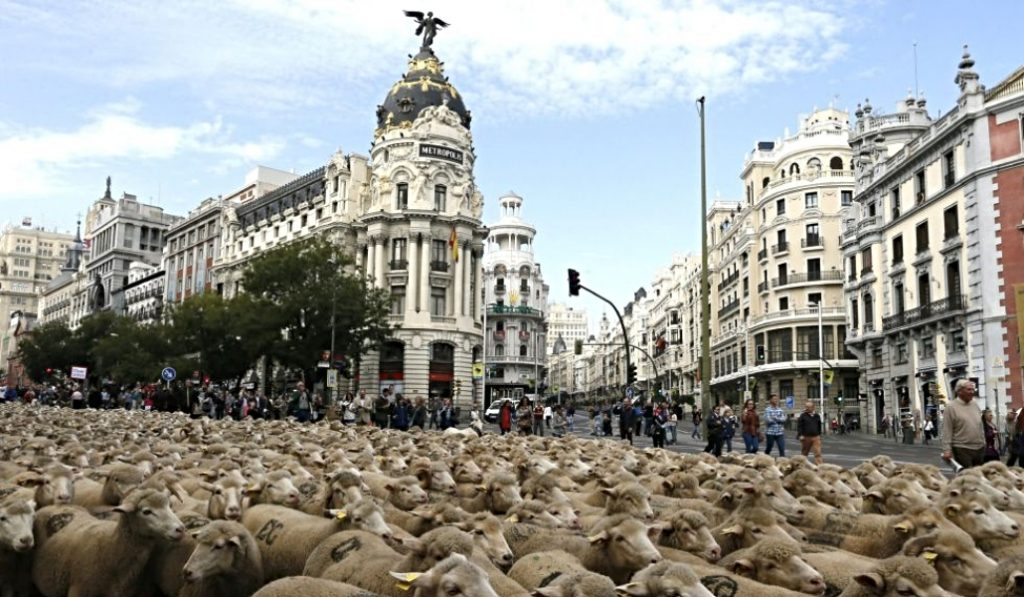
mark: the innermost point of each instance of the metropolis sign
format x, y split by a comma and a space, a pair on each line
441, 153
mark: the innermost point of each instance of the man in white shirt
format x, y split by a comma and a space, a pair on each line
77, 400
547, 416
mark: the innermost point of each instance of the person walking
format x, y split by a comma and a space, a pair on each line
697, 418
597, 419
1015, 438
751, 426
505, 417
626, 421
993, 443
715, 429
446, 415
400, 418
774, 419
606, 420
538, 419
929, 427
963, 435
648, 418
524, 415
808, 432
548, 414
671, 427
558, 422
570, 417
658, 423
728, 428
300, 405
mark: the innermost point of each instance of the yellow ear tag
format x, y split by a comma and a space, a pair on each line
341, 515
406, 580
929, 555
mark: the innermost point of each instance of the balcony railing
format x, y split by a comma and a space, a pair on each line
513, 310
941, 307
829, 276
949, 178
762, 254
827, 312
729, 279
762, 287
438, 266
812, 241
728, 309
780, 248
399, 264
509, 358
499, 289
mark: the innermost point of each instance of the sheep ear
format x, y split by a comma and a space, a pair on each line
609, 491
872, 581
743, 567
633, 589
124, 508
733, 530
903, 527
668, 485
236, 541
207, 486
656, 530
602, 536
874, 495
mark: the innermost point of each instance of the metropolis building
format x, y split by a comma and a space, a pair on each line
410, 216
515, 296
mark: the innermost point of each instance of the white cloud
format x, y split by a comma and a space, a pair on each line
566, 57
37, 162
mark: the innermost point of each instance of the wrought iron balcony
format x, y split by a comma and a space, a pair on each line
399, 264
812, 241
762, 287
438, 266
728, 309
762, 254
950, 305
780, 248
829, 276
729, 279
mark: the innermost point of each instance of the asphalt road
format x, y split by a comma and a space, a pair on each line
845, 450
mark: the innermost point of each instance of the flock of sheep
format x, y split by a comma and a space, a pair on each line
121, 503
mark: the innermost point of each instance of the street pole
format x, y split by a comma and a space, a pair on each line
821, 365
705, 287
536, 363
746, 359
483, 359
330, 363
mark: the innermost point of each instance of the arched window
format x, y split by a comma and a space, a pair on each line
813, 164
440, 197
499, 350
794, 169
522, 350
402, 196
836, 163
764, 182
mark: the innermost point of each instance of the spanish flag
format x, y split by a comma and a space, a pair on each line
453, 242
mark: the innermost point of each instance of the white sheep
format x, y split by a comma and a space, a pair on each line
16, 542
311, 587
225, 563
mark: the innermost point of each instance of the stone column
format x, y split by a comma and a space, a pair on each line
477, 273
371, 244
467, 275
425, 274
379, 267
455, 309
411, 297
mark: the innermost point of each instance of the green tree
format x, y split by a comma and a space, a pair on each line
48, 346
131, 353
306, 285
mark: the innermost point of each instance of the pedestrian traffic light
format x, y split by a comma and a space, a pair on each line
760, 353
574, 282
577, 348
631, 374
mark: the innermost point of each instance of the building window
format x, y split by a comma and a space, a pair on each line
876, 358
440, 195
895, 198
319, 213
836, 163
869, 313
499, 350
871, 210
852, 267
919, 189
813, 237
807, 343
814, 298
956, 341
785, 388
402, 196
780, 207
397, 300
927, 347
897, 250
398, 254
522, 350
952, 223
854, 313
897, 292
784, 303
439, 251
948, 169
865, 262
438, 307
846, 198
302, 222
810, 201
901, 355
922, 237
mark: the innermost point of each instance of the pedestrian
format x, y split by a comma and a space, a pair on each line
597, 419
715, 430
558, 422
648, 417
993, 443
538, 419
505, 417
671, 426
808, 432
697, 417
606, 420
774, 419
300, 405
751, 426
728, 428
432, 412
446, 415
524, 415
570, 417
547, 416
381, 410
928, 428
658, 422
401, 412
77, 399
886, 424
1015, 438
419, 413
627, 421
963, 435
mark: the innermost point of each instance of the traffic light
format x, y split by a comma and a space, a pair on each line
631, 374
574, 282
760, 353
577, 348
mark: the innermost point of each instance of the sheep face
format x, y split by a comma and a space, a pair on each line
225, 498
630, 498
216, 553
278, 489
534, 512
489, 538
467, 471
665, 578
406, 493
961, 566
689, 533
149, 513
627, 545
785, 568
894, 497
455, 575
565, 514
901, 576
980, 519
16, 518
579, 585
56, 485
502, 495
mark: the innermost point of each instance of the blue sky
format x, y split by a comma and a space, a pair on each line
583, 107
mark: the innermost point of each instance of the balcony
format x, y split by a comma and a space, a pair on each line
762, 287
780, 248
729, 279
514, 310
728, 309
499, 289
805, 312
762, 254
867, 223
936, 309
438, 266
499, 335
399, 264
494, 359
812, 242
829, 276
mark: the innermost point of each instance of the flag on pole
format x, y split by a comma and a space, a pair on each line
453, 242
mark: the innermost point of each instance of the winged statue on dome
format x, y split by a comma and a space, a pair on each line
428, 25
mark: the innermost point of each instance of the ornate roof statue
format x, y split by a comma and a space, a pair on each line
428, 26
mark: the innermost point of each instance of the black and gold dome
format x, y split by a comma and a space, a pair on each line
424, 85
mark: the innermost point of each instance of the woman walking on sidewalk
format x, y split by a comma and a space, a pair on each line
696, 423
751, 423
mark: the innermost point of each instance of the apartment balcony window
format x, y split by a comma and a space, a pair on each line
440, 197
780, 207
438, 266
399, 264
951, 223
762, 254
781, 247
811, 241
922, 237
524, 286
956, 341
897, 250
902, 356
402, 196
810, 201
846, 198
895, 197
927, 347
948, 169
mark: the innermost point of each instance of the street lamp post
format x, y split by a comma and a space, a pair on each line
705, 295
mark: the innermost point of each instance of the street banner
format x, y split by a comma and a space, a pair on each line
79, 372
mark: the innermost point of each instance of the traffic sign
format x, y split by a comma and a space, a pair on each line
79, 372
478, 370
168, 374
332, 378
790, 401
629, 392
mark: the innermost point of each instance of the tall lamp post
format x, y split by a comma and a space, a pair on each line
705, 294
